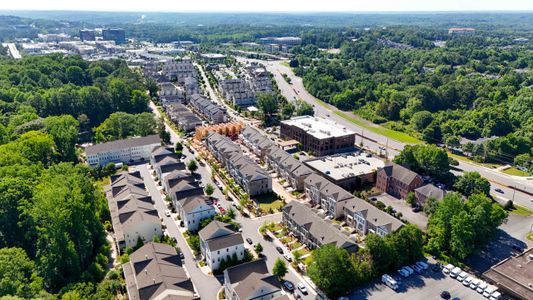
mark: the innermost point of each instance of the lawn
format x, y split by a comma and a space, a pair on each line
521, 211
100, 184
295, 245
396, 135
530, 236
268, 201
514, 171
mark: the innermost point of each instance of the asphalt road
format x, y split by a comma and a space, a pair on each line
296, 90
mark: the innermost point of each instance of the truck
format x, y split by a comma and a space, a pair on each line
389, 281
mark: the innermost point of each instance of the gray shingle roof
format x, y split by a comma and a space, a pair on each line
400, 173
190, 203
215, 229
431, 191
373, 214
249, 279
122, 144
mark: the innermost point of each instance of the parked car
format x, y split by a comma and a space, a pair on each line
448, 268
462, 276
416, 209
474, 283
495, 296
517, 248
445, 295
279, 249
249, 241
422, 264
436, 267
481, 287
373, 199
288, 286
181, 255
403, 272
287, 257
167, 213
410, 270
417, 269
389, 281
222, 210
489, 291
302, 288
467, 281
455, 272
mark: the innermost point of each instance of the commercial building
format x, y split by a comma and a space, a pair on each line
347, 170
126, 151
319, 136
285, 40
514, 275
219, 242
312, 230
114, 34
251, 281
87, 35
245, 172
194, 209
428, 191
133, 214
211, 111
155, 271
397, 180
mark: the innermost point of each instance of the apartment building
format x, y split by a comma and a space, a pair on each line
194, 209
211, 111
178, 70
155, 271
218, 242
312, 230
251, 280
237, 91
397, 180
133, 214
327, 195
368, 219
317, 135
126, 151
170, 93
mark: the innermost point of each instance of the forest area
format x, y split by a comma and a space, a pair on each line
475, 87
52, 214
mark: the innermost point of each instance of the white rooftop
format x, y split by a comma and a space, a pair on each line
320, 128
347, 165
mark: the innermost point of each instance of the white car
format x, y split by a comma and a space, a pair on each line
447, 269
302, 288
287, 257
481, 287
455, 272
167, 213
495, 296
489, 290
462, 276
475, 282
468, 280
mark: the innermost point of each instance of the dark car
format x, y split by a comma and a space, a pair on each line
435, 268
249, 241
279, 249
445, 295
499, 191
417, 209
181, 255
288, 286
373, 199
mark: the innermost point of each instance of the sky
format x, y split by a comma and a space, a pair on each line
268, 5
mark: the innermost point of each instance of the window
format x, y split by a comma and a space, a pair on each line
218, 252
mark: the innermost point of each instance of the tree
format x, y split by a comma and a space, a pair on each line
231, 213
421, 120
76, 75
430, 206
267, 105
332, 270
209, 189
426, 159
410, 199
258, 249
178, 147
64, 130
17, 277
280, 268
304, 109
472, 183
192, 166
383, 253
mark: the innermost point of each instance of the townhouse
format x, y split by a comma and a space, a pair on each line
312, 230
132, 212
251, 280
397, 180
164, 160
368, 219
126, 151
194, 209
327, 195
211, 111
258, 143
237, 91
155, 271
219, 242
178, 70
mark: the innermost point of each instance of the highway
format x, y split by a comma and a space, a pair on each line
374, 141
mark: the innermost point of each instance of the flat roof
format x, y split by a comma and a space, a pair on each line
514, 274
319, 127
347, 165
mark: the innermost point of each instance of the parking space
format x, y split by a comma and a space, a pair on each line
428, 285
418, 218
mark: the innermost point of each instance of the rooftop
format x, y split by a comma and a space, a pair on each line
342, 166
123, 144
320, 128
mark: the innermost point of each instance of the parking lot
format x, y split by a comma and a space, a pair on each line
429, 285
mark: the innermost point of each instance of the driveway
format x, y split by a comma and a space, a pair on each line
420, 219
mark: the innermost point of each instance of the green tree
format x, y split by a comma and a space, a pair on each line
17, 277
178, 147
64, 130
76, 75
421, 120
209, 189
267, 105
14, 192
280, 268
332, 270
430, 206
258, 249
383, 253
472, 183
304, 109
192, 166
410, 199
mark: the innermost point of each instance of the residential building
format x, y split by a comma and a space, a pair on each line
171, 179
458, 31
133, 214
211, 111
190, 84
169, 93
245, 172
366, 218
288, 167
87, 35
218, 242
317, 135
114, 34
428, 191
183, 117
513, 275
183, 188
347, 170
251, 280
329, 196
312, 230
397, 180
160, 152
126, 151
256, 141
194, 209
167, 165
237, 91
179, 70
155, 271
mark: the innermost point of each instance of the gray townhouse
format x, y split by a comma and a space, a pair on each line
256, 141
219, 241
252, 280
176, 176
237, 91
327, 195
312, 230
221, 147
428, 191
167, 165
194, 209
179, 185
155, 271
211, 111
365, 218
